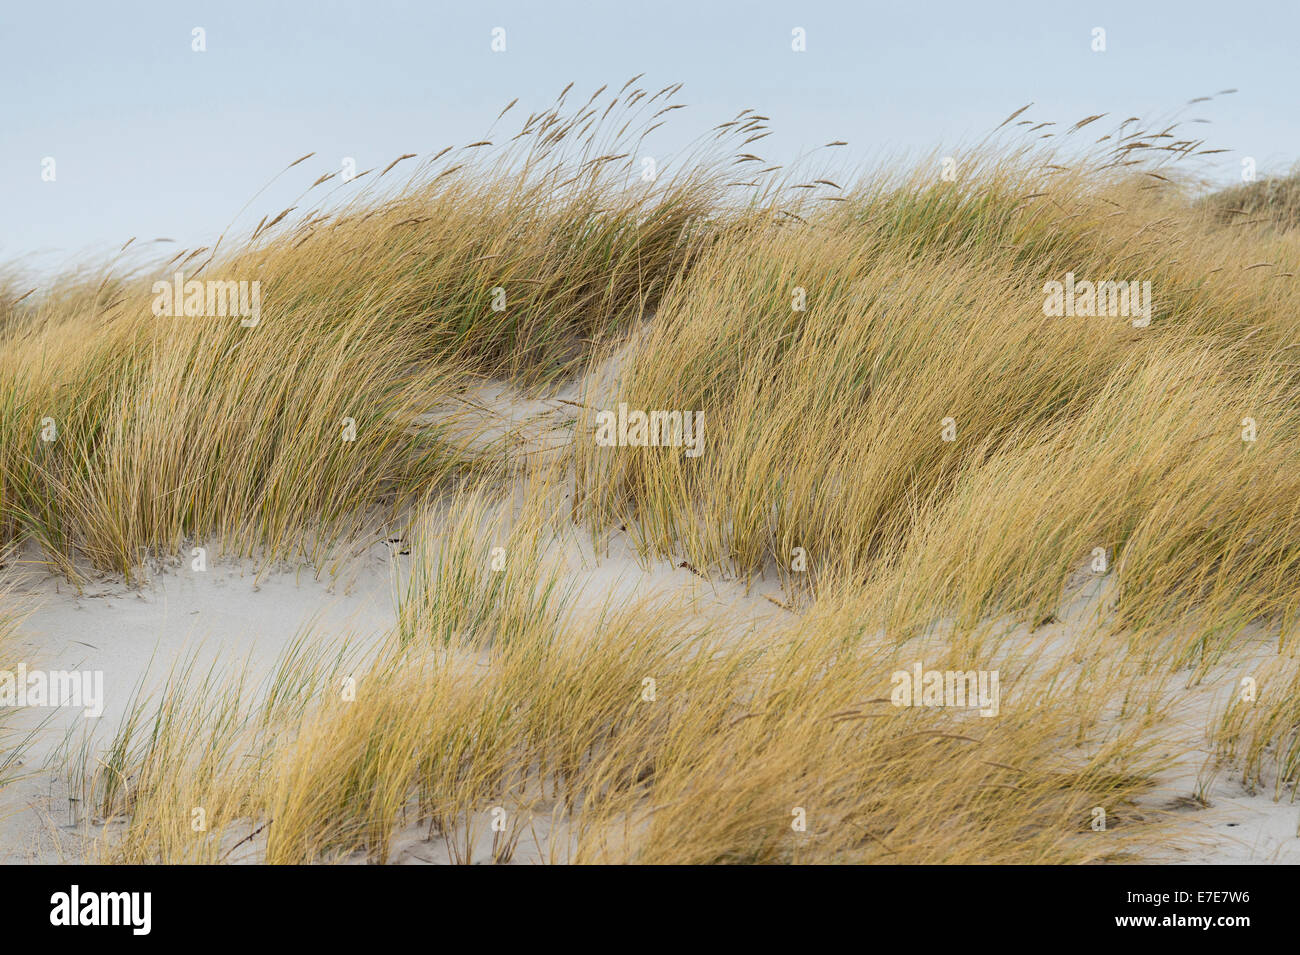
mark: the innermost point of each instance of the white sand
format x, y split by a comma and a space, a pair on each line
227, 616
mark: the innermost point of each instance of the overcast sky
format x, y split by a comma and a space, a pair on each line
152, 138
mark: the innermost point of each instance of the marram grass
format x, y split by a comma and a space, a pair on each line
894, 428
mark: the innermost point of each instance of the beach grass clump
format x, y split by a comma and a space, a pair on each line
125, 433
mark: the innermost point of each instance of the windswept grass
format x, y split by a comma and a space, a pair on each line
12, 741
830, 356
883, 396
1260, 729
645, 736
124, 434
1273, 202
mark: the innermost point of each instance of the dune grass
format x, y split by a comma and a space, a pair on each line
13, 741
924, 320
1259, 731
893, 426
637, 734
1270, 203
124, 434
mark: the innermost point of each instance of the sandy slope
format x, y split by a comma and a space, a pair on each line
135, 635
233, 616
229, 616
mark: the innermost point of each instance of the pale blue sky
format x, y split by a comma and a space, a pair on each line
153, 139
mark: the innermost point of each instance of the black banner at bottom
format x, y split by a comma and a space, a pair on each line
340, 905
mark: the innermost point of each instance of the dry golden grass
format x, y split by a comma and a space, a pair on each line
374, 309
823, 431
1260, 729
13, 742
1272, 202
1071, 433
525, 706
